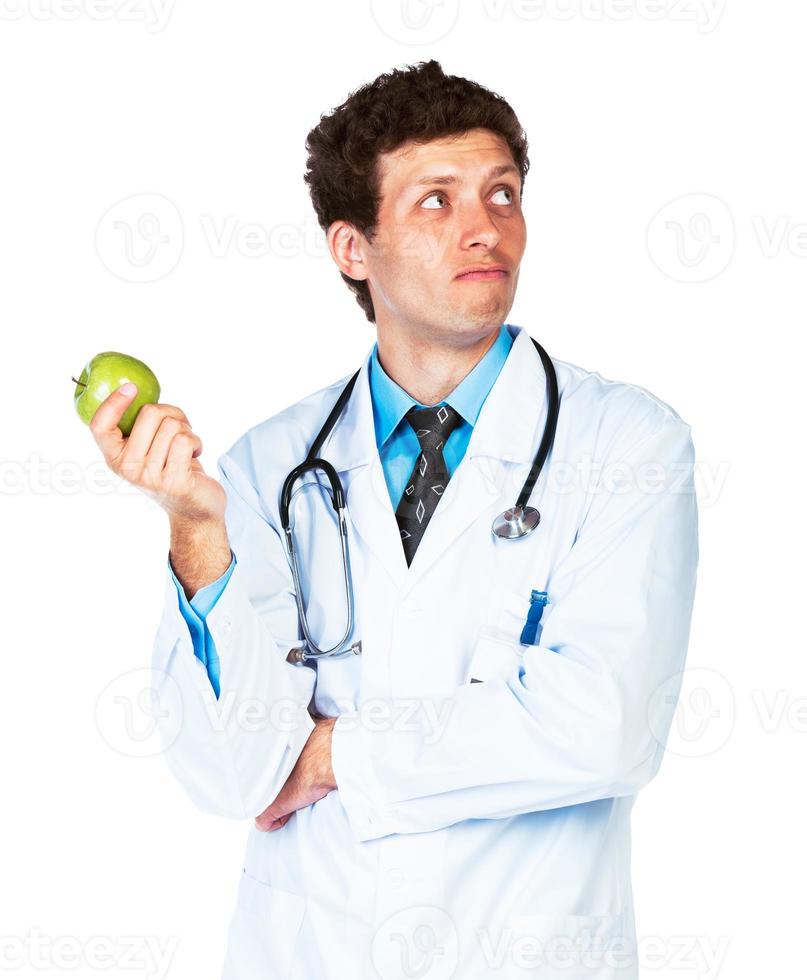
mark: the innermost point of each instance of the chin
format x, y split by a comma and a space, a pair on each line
487, 314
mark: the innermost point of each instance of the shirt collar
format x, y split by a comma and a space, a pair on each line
391, 402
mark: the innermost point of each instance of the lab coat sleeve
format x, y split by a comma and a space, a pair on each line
232, 754
584, 713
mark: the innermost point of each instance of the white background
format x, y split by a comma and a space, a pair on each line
628, 105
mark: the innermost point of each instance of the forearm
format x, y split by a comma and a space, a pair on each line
232, 763
581, 715
199, 553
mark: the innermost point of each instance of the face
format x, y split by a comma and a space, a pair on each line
445, 206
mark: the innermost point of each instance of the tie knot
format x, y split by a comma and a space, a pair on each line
433, 425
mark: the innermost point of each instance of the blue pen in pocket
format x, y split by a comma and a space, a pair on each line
532, 628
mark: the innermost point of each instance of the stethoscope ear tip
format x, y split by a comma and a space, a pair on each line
516, 522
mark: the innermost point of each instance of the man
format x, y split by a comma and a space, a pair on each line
454, 801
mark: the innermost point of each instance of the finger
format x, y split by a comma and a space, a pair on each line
280, 822
269, 815
104, 423
158, 453
267, 819
148, 422
180, 453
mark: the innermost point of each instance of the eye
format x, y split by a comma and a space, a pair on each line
433, 194
441, 196
508, 190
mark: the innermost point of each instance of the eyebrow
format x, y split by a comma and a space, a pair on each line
445, 179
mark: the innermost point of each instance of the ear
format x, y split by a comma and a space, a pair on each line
348, 246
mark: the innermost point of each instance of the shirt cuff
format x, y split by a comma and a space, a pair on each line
207, 597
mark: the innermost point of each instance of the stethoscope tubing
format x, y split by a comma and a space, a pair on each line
314, 461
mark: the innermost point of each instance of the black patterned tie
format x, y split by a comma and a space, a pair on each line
429, 476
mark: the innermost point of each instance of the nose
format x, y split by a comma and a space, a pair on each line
478, 226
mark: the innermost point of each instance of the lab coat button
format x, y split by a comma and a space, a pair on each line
226, 623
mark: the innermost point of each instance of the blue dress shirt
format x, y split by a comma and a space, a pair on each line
397, 443
398, 448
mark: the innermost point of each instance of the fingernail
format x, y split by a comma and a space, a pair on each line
128, 388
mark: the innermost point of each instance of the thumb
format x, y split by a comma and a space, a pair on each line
104, 423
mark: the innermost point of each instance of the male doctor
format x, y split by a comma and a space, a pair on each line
454, 801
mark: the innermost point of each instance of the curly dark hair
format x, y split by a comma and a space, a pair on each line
419, 103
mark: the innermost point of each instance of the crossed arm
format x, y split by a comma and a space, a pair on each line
310, 779
590, 706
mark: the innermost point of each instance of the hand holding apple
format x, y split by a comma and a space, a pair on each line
159, 454
105, 373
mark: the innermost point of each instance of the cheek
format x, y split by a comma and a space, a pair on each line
399, 281
516, 235
413, 236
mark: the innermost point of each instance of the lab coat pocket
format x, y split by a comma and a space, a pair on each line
511, 624
492, 657
507, 612
515, 615
263, 931
575, 947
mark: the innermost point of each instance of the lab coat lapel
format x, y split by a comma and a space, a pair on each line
469, 493
373, 517
507, 430
351, 448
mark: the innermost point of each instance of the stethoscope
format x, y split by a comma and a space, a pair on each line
515, 522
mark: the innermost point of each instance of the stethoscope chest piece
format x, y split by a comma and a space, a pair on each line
516, 522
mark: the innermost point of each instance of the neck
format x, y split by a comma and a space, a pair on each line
429, 369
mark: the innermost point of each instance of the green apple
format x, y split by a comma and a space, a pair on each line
105, 373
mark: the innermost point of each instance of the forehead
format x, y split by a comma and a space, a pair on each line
470, 155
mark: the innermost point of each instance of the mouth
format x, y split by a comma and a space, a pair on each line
482, 274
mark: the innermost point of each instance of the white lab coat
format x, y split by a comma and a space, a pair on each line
479, 829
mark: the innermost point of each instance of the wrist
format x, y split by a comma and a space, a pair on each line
192, 527
199, 553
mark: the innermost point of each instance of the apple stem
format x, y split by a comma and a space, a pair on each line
78, 382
